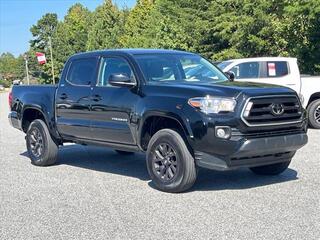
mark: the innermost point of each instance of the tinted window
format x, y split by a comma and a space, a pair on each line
277, 69
82, 71
182, 68
113, 66
246, 70
224, 64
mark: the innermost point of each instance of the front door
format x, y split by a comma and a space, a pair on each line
112, 108
73, 99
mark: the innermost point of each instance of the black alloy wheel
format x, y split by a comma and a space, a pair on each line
164, 162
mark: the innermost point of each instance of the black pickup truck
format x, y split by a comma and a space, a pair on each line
175, 106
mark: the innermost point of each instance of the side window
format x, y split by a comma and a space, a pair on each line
82, 71
158, 69
113, 66
277, 69
246, 70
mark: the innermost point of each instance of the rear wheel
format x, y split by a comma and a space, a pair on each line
43, 151
314, 114
169, 162
273, 169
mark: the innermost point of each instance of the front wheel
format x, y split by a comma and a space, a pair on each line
273, 169
314, 114
43, 151
169, 162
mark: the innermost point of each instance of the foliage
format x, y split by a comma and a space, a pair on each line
217, 29
11, 68
71, 35
106, 27
42, 32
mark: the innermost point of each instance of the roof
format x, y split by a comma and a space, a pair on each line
133, 51
261, 59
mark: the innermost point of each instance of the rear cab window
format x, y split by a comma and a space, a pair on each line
82, 71
277, 68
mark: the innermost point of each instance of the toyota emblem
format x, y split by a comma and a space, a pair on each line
277, 109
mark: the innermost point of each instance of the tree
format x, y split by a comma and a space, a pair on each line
246, 28
44, 29
136, 25
303, 33
11, 68
71, 35
41, 32
106, 27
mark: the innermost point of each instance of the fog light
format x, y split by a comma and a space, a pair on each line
223, 132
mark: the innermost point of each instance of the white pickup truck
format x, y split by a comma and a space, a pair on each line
280, 71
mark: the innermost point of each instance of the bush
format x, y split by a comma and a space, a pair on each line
5, 83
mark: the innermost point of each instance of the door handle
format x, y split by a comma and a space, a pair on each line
63, 96
96, 98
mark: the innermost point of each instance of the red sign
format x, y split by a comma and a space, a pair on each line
272, 69
41, 58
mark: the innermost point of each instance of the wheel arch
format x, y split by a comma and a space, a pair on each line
31, 113
152, 122
313, 97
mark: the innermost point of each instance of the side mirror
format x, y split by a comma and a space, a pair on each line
121, 80
230, 75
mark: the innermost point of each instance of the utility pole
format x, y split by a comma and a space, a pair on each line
25, 56
52, 70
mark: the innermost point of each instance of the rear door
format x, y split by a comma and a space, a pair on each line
112, 107
278, 72
73, 98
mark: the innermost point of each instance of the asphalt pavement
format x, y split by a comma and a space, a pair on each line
94, 193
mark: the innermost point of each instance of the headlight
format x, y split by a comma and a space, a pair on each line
210, 104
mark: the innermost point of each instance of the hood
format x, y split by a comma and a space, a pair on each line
222, 89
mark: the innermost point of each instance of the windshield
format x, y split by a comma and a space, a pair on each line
182, 68
224, 64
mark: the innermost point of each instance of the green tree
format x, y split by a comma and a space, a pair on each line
106, 27
44, 29
136, 25
303, 33
41, 32
11, 68
246, 28
71, 35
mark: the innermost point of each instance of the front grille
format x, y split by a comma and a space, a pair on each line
272, 110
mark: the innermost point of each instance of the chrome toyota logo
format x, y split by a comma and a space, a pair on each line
277, 109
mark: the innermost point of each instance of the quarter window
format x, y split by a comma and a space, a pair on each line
277, 69
82, 71
246, 70
113, 66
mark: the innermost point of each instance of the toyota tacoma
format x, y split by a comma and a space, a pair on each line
175, 106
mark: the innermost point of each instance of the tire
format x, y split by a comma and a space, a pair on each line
273, 169
124, 152
314, 114
169, 162
46, 152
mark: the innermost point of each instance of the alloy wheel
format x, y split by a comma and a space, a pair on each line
36, 142
164, 162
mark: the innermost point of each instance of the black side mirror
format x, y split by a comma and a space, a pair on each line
230, 75
121, 80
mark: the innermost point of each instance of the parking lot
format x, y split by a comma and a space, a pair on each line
93, 193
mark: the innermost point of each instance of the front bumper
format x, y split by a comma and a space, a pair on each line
255, 152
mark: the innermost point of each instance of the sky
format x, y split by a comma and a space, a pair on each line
17, 16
